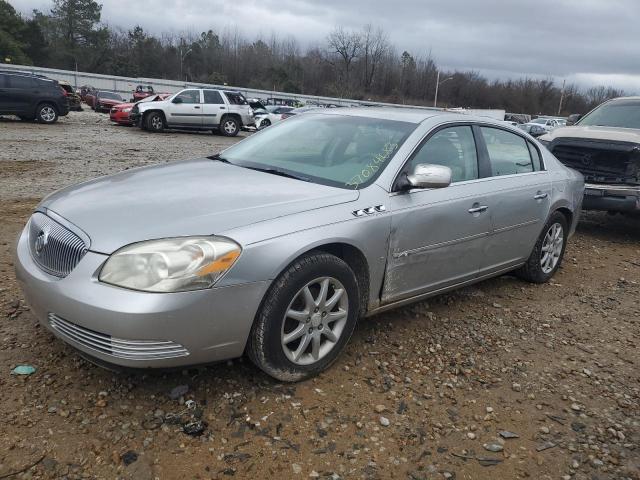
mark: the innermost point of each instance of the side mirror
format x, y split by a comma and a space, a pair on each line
426, 175
572, 119
176, 100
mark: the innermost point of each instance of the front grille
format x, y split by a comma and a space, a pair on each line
116, 347
599, 162
56, 249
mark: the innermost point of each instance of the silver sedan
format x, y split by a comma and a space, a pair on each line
278, 245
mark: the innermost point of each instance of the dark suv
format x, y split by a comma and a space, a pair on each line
31, 97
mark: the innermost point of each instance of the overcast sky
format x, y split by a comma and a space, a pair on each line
585, 41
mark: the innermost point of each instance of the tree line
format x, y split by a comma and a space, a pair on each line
358, 64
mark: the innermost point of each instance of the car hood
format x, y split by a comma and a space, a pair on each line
594, 133
110, 101
195, 197
124, 105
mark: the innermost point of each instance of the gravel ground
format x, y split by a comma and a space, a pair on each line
502, 380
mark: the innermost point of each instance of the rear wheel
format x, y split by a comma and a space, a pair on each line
306, 318
46, 113
229, 126
546, 257
265, 123
154, 122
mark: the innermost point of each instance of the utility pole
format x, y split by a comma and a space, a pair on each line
561, 97
182, 57
438, 83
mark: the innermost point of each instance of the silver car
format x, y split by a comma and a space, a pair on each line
278, 245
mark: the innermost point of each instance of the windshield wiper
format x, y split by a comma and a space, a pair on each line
281, 173
218, 158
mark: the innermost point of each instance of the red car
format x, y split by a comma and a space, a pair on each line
104, 100
141, 92
120, 113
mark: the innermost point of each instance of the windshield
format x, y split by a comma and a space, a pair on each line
342, 151
540, 121
112, 96
617, 113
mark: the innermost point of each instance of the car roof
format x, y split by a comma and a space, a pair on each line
623, 99
411, 115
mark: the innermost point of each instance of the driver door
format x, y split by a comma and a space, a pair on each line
185, 110
438, 235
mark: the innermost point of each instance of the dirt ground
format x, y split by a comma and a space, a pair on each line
422, 392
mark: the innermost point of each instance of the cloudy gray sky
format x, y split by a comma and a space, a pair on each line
585, 41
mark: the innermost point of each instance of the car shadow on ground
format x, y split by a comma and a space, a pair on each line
613, 228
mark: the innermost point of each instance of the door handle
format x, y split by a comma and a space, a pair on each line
197, 106
478, 209
222, 108
540, 196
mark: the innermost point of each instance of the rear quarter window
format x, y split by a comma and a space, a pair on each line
18, 81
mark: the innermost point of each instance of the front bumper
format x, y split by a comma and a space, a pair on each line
138, 329
614, 198
120, 117
135, 117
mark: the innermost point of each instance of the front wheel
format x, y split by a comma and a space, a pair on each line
264, 124
546, 257
47, 113
229, 127
306, 318
154, 122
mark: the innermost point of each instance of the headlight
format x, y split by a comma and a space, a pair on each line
126, 110
171, 265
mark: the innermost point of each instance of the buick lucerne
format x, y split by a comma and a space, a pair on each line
276, 246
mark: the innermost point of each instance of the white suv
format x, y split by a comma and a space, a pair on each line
196, 109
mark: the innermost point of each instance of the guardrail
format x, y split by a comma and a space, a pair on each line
126, 85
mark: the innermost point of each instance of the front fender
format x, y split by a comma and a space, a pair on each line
264, 260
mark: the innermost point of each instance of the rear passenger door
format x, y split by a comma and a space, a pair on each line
519, 200
213, 108
5, 101
187, 112
20, 93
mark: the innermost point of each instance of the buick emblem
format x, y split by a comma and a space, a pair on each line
41, 240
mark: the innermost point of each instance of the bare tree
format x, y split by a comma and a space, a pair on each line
347, 47
375, 44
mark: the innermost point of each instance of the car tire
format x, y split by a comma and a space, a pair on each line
322, 329
265, 123
547, 254
46, 113
154, 122
229, 126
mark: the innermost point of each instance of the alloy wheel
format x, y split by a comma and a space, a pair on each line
47, 114
230, 127
156, 122
314, 321
552, 248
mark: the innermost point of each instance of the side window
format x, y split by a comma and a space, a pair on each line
18, 81
213, 96
190, 96
453, 147
508, 152
535, 156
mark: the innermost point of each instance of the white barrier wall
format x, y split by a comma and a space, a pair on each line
125, 86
